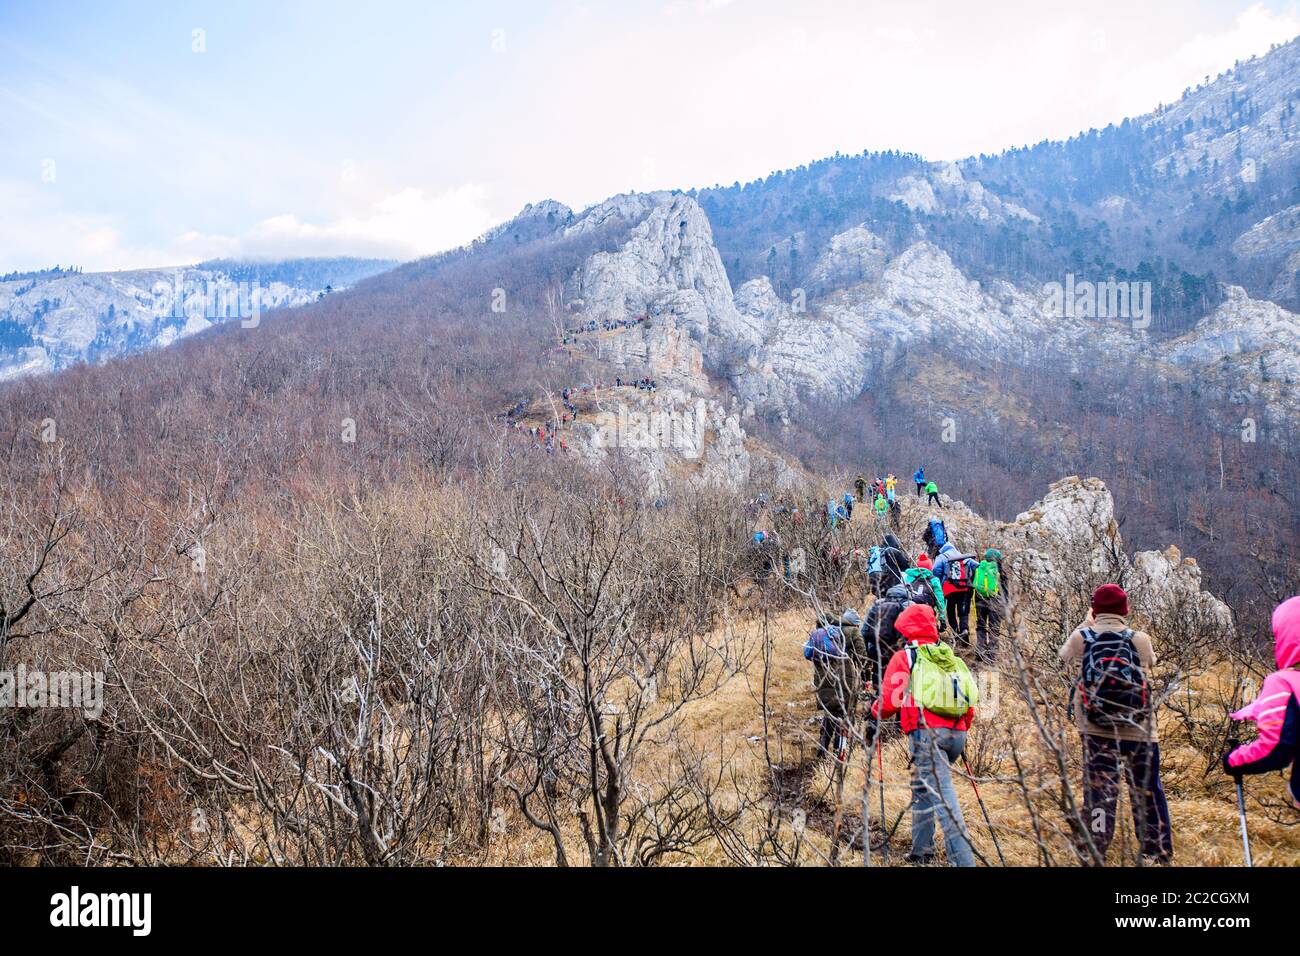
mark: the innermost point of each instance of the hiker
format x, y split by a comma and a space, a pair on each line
935, 536
830, 513
956, 572
879, 634
1276, 711
924, 588
880, 486
895, 562
1112, 704
919, 478
876, 569
932, 494
860, 485
837, 653
881, 506
848, 505
890, 484
935, 712
990, 604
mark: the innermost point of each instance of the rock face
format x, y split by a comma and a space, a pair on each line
535, 221
668, 433
863, 310
1071, 538
945, 189
1249, 348
668, 270
854, 256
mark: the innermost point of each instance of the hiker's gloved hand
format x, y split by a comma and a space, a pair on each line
869, 733
1228, 768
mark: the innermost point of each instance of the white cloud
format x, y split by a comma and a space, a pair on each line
403, 225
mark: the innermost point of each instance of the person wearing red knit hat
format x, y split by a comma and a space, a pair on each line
1112, 704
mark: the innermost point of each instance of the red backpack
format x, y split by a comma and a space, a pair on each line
958, 574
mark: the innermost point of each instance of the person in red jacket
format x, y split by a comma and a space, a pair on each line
935, 741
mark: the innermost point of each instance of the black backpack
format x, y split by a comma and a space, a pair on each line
1113, 686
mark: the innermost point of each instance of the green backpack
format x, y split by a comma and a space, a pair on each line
940, 681
987, 580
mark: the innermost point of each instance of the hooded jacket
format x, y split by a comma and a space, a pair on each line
947, 555
912, 575
1276, 711
919, 477
916, 624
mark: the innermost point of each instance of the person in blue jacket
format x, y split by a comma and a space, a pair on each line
919, 478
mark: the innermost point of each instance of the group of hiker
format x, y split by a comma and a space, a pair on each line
602, 325
547, 435
883, 491
896, 662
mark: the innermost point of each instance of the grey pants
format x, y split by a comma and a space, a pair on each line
933, 793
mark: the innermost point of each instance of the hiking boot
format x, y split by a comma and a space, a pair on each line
925, 859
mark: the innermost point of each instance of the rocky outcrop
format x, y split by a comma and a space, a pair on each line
665, 435
535, 221
852, 257
1070, 538
668, 269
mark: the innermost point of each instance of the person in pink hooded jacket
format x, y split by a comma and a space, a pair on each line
1276, 711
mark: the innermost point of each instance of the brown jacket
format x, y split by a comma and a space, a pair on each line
1072, 653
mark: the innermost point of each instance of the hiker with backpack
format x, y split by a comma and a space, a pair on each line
848, 505
1276, 711
881, 506
894, 562
876, 569
934, 537
919, 478
990, 604
860, 486
932, 494
934, 695
879, 632
924, 588
838, 656
1112, 704
956, 573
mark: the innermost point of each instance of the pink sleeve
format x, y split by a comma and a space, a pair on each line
1268, 711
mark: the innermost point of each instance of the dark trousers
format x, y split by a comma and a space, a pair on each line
832, 724
988, 625
1104, 760
959, 613
933, 499
920, 488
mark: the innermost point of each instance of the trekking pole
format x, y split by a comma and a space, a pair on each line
1233, 744
880, 757
984, 810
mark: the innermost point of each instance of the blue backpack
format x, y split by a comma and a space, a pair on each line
937, 533
875, 560
823, 643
